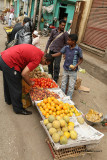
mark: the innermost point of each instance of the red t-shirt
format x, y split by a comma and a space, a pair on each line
22, 55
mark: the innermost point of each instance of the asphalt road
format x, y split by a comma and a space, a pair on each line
23, 138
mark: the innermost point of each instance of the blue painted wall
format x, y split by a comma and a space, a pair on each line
69, 9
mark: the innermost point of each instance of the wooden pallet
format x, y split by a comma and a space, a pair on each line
66, 153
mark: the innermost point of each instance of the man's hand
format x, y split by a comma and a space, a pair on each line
45, 51
25, 74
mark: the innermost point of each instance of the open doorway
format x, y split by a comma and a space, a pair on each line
62, 14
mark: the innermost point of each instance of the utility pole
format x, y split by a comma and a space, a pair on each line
30, 4
39, 17
35, 9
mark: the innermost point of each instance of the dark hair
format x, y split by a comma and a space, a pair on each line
73, 37
62, 21
48, 57
26, 19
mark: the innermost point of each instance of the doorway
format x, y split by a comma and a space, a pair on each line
62, 14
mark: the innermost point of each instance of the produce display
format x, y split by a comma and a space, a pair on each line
40, 93
52, 106
44, 83
60, 129
93, 116
36, 73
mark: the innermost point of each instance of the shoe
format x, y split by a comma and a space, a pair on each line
24, 112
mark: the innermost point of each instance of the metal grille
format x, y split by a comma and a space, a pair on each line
96, 30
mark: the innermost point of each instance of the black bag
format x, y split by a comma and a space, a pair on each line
11, 44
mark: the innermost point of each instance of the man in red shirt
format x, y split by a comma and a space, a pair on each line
16, 63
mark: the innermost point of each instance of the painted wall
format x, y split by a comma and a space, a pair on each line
32, 8
84, 19
48, 17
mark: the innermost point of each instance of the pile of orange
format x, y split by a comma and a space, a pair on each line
52, 106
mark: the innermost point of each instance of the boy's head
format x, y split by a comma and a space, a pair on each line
72, 39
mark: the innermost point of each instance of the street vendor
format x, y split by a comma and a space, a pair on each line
16, 63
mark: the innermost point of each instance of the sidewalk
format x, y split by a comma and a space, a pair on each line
23, 138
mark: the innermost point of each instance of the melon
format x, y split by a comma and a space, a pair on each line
45, 122
59, 129
73, 134
62, 123
51, 118
60, 133
80, 120
63, 140
66, 118
52, 131
56, 124
70, 128
56, 137
65, 129
58, 117
49, 125
67, 134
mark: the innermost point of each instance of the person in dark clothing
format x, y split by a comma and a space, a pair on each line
57, 40
18, 27
24, 35
16, 63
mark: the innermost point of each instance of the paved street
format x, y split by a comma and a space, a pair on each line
23, 138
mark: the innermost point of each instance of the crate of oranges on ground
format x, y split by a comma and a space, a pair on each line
53, 106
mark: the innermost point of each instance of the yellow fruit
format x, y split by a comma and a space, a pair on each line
52, 131
63, 140
66, 118
62, 123
45, 122
77, 114
71, 123
67, 134
70, 128
51, 118
71, 114
80, 120
56, 137
73, 134
49, 125
56, 124
60, 133
59, 129
71, 66
58, 117
38, 104
65, 129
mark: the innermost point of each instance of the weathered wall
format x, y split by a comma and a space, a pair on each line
4, 4
84, 19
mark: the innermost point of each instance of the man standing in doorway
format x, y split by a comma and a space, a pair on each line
57, 40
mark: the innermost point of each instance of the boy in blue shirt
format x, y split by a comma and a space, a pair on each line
73, 57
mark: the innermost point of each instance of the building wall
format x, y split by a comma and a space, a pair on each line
4, 4
69, 9
84, 19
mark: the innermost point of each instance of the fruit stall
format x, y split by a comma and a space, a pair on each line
66, 126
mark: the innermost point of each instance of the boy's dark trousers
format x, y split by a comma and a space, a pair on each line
54, 67
12, 86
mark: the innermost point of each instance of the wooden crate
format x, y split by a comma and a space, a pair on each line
25, 87
66, 153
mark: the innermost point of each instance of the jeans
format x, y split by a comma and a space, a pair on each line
54, 67
70, 78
